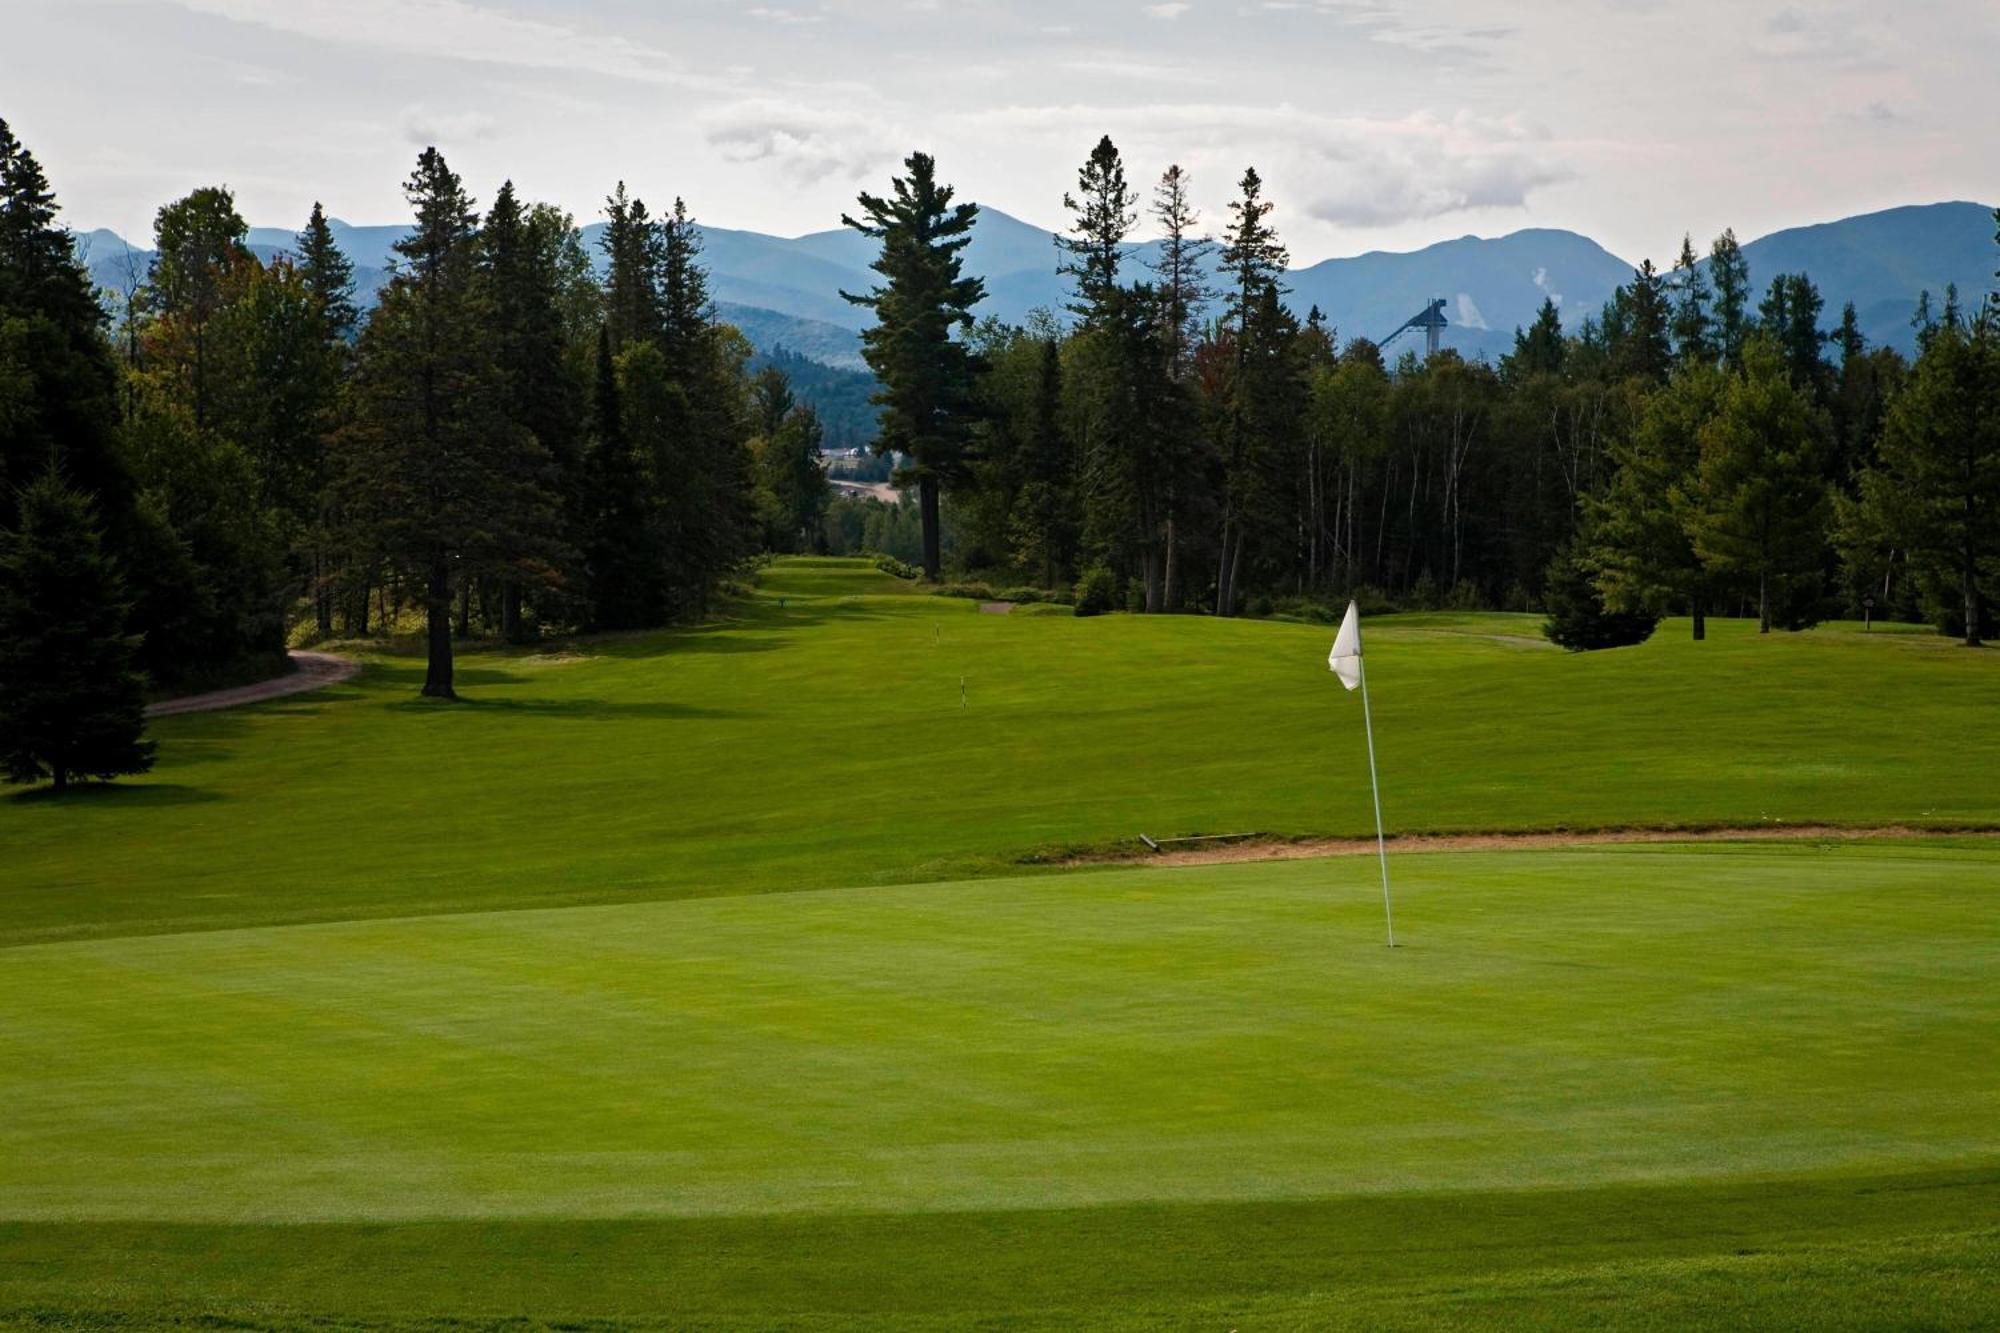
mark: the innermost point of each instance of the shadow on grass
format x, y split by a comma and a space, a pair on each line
120, 795
586, 710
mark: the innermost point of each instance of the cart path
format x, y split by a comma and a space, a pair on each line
1486, 842
310, 671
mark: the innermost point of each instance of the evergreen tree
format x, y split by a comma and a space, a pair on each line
1693, 328
927, 374
1181, 271
685, 310
1541, 348
521, 255
58, 383
1637, 325
71, 706
1102, 218
631, 245
447, 485
1936, 492
1789, 316
1762, 519
1577, 617
1730, 272
1643, 551
328, 275
624, 590
793, 477
1043, 526
1252, 256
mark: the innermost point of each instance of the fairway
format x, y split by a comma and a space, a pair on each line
652, 990
816, 740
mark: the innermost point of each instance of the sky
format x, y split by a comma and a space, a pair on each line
1376, 125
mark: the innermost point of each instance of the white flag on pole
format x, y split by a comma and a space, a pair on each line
1345, 659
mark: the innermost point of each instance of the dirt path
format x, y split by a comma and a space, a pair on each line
312, 671
1482, 842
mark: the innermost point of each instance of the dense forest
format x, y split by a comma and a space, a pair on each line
236, 456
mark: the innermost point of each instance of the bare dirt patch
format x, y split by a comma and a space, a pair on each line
1305, 849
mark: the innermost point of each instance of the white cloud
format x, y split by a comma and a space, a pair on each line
1172, 10
1347, 171
425, 127
450, 29
806, 144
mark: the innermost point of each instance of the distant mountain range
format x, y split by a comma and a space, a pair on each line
786, 291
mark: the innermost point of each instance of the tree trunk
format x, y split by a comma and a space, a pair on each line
1972, 602
437, 609
60, 775
1700, 609
510, 612
1223, 572
1167, 592
464, 626
1763, 602
322, 596
927, 504
1155, 579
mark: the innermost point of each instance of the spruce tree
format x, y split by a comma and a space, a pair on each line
1693, 328
71, 706
1643, 554
1763, 516
1577, 616
1936, 491
1181, 269
624, 590
1252, 256
927, 397
63, 398
631, 245
1789, 316
520, 256
1637, 324
328, 274
1540, 349
445, 483
1730, 272
1103, 215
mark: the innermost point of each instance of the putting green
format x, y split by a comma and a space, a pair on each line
1226, 1033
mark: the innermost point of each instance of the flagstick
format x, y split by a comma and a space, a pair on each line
1381, 845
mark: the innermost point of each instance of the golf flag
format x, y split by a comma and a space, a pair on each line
1345, 659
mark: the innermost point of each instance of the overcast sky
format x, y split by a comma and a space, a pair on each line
1376, 125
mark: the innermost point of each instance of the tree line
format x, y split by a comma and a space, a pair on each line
510, 443
505, 444
1695, 447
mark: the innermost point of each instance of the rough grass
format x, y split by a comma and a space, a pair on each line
818, 740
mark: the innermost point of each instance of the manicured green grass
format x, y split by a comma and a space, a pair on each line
1635, 1072
694, 980
818, 740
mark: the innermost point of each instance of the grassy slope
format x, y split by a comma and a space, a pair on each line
1634, 1087
821, 743
1754, 1071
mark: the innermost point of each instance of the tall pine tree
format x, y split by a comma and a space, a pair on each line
923, 301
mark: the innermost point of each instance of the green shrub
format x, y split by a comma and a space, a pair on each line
1096, 591
1577, 619
901, 569
977, 592
1025, 595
